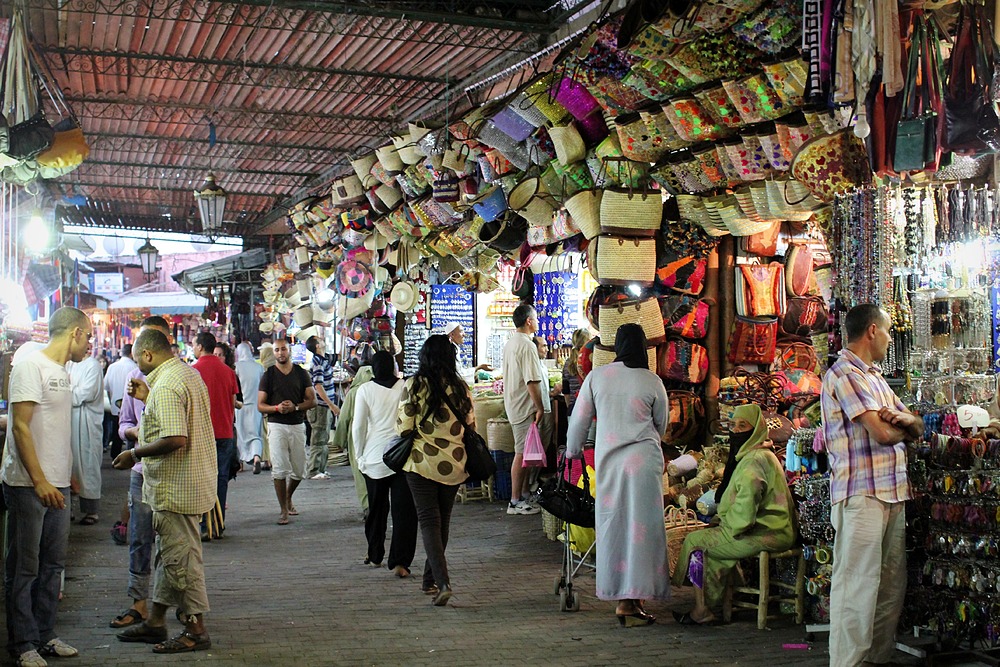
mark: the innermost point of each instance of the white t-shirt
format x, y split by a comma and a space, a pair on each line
39, 380
374, 426
114, 381
521, 365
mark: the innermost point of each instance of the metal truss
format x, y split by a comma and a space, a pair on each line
307, 19
71, 215
151, 190
237, 73
194, 175
227, 118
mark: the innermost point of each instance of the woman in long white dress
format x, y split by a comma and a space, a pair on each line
249, 421
631, 407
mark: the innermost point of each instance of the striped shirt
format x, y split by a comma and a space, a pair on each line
321, 373
183, 481
859, 465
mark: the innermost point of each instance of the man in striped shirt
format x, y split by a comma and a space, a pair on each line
865, 426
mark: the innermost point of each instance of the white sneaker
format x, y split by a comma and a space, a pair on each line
59, 648
320, 475
31, 659
521, 507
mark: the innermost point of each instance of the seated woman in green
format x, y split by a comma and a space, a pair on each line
756, 513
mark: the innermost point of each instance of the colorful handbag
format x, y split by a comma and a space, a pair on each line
636, 140
831, 164
715, 100
645, 312
805, 315
797, 356
691, 120
788, 78
754, 340
686, 414
685, 316
798, 269
760, 290
762, 244
685, 275
799, 383
682, 361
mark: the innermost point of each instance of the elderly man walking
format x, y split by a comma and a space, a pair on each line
177, 449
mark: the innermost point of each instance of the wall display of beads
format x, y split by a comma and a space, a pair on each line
953, 533
812, 493
863, 246
557, 300
952, 377
452, 303
414, 336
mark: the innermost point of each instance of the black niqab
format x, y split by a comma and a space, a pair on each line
630, 346
384, 369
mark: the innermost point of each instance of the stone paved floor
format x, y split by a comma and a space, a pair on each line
300, 595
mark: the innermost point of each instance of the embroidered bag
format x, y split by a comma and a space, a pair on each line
686, 316
760, 290
685, 275
804, 315
762, 244
754, 340
797, 356
682, 361
686, 413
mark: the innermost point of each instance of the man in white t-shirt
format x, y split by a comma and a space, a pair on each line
114, 385
525, 399
36, 474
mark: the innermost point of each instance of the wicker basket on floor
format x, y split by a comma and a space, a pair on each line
551, 525
678, 523
501, 435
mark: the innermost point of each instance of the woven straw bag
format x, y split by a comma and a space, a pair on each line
604, 355
644, 312
407, 148
500, 435
585, 209
530, 200
568, 143
347, 190
631, 213
389, 158
678, 523
625, 261
363, 169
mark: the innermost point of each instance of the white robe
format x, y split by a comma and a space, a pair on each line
249, 421
87, 425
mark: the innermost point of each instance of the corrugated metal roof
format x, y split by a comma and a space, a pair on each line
291, 86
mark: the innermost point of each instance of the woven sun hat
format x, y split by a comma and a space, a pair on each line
348, 308
404, 296
305, 333
376, 242
353, 278
381, 275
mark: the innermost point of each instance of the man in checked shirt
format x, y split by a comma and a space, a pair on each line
865, 427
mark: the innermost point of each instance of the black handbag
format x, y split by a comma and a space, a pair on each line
28, 139
397, 452
479, 464
971, 124
567, 502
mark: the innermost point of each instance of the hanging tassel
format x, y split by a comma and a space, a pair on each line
211, 134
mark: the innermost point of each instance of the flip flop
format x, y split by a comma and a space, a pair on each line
126, 618
292, 511
89, 520
200, 642
283, 522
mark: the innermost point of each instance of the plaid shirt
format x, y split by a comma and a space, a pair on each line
183, 481
859, 465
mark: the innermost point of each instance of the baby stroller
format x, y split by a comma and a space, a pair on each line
574, 506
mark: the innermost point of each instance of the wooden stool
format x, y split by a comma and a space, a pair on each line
764, 593
482, 492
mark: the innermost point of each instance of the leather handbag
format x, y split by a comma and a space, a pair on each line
30, 138
754, 340
397, 452
762, 244
969, 114
685, 414
798, 269
685, 316
479, 463
797, 356
567, 502
805, 315
916, 135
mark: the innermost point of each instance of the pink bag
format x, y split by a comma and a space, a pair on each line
534, 452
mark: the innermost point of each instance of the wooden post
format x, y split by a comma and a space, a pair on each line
712, 345
725, 314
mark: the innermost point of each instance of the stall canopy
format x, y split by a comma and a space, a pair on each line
239, 270
161, 303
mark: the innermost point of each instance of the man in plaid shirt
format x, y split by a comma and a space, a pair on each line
177, 449
865, 427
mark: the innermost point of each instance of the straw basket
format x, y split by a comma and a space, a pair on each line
407, 148
530, 199
363, 168
604, 355
500, 435
551, 525
630, 213
388, 156
626, 261
585, 209
678, 523
347, 190
645, 312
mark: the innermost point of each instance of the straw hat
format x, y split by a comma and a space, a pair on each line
353, 278
404, 296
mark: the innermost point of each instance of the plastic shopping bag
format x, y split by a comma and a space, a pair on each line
534, 452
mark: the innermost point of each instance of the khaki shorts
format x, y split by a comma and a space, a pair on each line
545, 427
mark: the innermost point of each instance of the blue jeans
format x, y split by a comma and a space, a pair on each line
225, 450
37, 540
140, 540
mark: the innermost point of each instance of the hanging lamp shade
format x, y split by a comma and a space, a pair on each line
211, 199
148, 254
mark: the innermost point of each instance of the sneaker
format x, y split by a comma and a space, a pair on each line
521, 507
59, 648
320, 475
30, 659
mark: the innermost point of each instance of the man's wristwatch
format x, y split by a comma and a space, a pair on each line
135, 454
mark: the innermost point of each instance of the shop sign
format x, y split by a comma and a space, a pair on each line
107, 283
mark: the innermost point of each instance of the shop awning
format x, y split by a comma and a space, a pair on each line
241, 269
162, 303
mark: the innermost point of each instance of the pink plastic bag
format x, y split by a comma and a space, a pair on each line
534, 452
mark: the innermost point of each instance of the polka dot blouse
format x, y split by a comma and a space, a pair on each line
438, 453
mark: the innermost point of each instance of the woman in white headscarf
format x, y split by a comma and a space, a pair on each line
248, 418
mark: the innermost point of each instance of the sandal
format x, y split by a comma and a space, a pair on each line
89, 520
293, 511
687, 619
178, 644
126, 618
401, 571
140, 632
